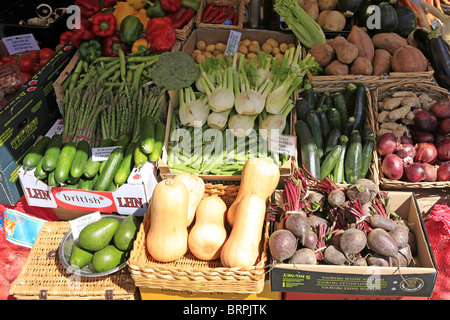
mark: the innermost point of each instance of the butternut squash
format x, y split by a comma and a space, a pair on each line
242, 247
259, 176
208, 234
167, 236
196, 189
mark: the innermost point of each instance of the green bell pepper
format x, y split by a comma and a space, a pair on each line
155, 9
91, 50
190, 4
130, 29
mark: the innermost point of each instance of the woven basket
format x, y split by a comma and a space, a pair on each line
239, 6
44, 277
194, 275
418, 87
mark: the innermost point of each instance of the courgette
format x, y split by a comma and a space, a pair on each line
359, 107
324, 124
92, 167
36, 153
341, 106
65, 159
338, 171
302, 108
126, 165
308, 94
313, 122
39, 172
159, 141
308, 149
349, 93
147, 134
348, 127
112, 165
322, 102
367, 154
334, 118
80, 159
353, 158
330, 161
51, 155
332, 140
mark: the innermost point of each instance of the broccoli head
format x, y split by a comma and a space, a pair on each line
175, 70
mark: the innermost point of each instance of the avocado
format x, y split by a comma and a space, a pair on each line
80, 257
126, 233
97, 235
107, 258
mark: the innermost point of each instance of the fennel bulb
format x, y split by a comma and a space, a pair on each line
275, 123
241, 125
193, 112
218, 120
221, 96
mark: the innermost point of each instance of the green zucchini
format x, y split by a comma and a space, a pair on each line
332, 140
302, 108
39, 172
330, 161
349, 93
36, 153
341, 106
334, 118
313, 122
52, 153
147, 134
348, 127
359, 107
308, 149
338, 171
109, 171
92, 167
353, 158
367, 153
322, 102
80, 159
65, 160
309, 95
324, 124
140, 158
159, 141
126, 165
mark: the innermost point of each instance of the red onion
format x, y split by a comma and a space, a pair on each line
405, 139
443, 150
444, 126
414, 172
441, 109
387, 144
425, 120
430, 172
392, 166
443, 172
423, 137
406, 152
439, 138
425, 152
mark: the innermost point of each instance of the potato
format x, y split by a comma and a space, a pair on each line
327, 4
381, 62
243, 49
195, 53
345, 51
331, 20
210, 48
245, 42
201, 45
336, 68
221, 46
200, 58
266, 47
275, 50
254, 47
323, 54
283, 47
272, 42
311, 8
363, 42
361, 66
389, 41
251, 55
409, 59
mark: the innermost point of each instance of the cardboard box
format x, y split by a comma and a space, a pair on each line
22, 121
130, 198
414, 281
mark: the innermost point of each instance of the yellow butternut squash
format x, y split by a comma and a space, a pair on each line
259, 176
196, 189
167, 236
242, 247
208, 234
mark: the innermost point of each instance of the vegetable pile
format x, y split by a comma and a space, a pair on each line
322, 223
413, 139
220, 13
335, 140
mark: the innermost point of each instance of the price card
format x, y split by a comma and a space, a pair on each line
102, 154
20, 43
79, 223
279, 143
233, 42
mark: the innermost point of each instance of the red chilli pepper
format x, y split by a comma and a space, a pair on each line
103, 24
88, 7
207, 11
111, 46
213, 14
170, 5
161, 34
65, 38
181, 17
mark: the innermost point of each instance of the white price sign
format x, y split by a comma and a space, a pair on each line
78, 224
279, 143
102, 154
233, 42
20, 43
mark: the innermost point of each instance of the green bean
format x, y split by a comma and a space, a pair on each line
123, 67
137, 76
109, 72
142, 59
104, 59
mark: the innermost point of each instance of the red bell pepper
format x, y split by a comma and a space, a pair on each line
81, 35
111, 46
161, 34
88, 7
65, 38
181, 17
170, 5
103, 24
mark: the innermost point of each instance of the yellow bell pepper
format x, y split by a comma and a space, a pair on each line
139, 45
143, 17
136, 4
121, 10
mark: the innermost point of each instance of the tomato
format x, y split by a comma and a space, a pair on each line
8, 59
26, 76
33, 54
46, 53
43, 61
26, 64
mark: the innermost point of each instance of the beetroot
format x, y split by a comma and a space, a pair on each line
378, 260
392, 166
382, 243
425, 152
404, 257
332, 255
352, 242
425, 120
360, 261
379, 221
282, 244
310, 241
387, 143
336, 198
400, 235
299, 225
303, 256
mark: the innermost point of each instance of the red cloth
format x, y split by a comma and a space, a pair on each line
438, 228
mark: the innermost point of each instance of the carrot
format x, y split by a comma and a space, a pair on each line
438, 5
417, 11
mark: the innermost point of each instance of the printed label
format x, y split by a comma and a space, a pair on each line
279, 143
78, 224
20, 43
233, 42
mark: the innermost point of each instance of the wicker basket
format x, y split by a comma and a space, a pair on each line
44, 277
239, 6
418, 87
194, 275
